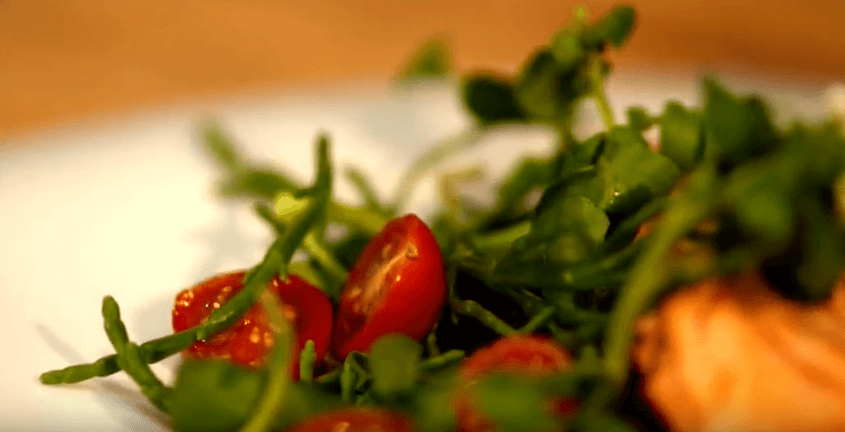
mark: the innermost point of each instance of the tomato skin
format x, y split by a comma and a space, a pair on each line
522, 355
249, 340
355, 420
397, 285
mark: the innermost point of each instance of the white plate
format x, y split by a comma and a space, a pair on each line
128, 209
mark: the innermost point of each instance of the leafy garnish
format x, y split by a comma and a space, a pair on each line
576, 246
431, 60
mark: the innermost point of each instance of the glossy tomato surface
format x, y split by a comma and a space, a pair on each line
397, 285
250, 339
523, 355
355, 420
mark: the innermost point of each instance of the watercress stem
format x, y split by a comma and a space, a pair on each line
501, 239
278, 380
363, 219
539, 320
347, 382
307, 358
475, 310
440, 361
598, 93
649, 276
325, 258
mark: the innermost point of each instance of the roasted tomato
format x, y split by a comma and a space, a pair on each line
523, 355
248, 341
397, 285
355, 420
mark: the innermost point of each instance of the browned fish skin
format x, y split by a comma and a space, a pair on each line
731, 354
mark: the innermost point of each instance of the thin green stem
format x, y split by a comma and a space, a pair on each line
431, 342
364, 399
627, 229
307, 358
347, 382
326, 259
500, 239
363, 219
566, 137
539, 320
330, 377
649, 276
446, 359
566, 338
609, 271
585, 276
365, 189
598, 92
310, 243
278, 380
604, 107
128, 356
489, 319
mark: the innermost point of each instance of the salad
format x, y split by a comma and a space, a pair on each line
696, 284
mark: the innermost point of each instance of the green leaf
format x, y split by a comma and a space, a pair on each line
213, 396
430, 60
585, 226
631, 172
217, 396
430, 401
582, 155
761, 204
514, 404
256, 182
639, 118
529, 175
681, 136
546, 91
822, 247
736, 129
393, 364
365, 189
304, 401
490, 99
614, 27
566, 229
240, 176
220, 147
819, 152
567, 49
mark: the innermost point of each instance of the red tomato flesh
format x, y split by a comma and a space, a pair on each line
249, 340
523, 355
355, 420
397, 285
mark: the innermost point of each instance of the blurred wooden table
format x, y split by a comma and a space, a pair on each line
61, 61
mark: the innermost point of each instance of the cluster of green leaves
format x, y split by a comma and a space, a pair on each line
547, 87
214, 395
769, 193
567, 265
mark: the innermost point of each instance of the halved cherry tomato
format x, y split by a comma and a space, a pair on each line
397, 285
355, 420
249, 340
522, 355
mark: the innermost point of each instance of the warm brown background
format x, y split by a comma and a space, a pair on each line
65, 60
